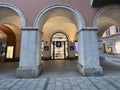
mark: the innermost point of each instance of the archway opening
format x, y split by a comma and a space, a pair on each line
111, 40
59, 20
59, 25
108, 25
10, 38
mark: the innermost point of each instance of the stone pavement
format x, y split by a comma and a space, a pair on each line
76, 83
61, 75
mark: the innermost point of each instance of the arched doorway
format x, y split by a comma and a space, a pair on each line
103, 20
11, 21
108, 23
59, 46
59, 18
54, 19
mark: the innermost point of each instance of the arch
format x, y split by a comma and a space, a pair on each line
5, 5
81, 22
8, 32
52, 34
102, 10
59, 32
16, 30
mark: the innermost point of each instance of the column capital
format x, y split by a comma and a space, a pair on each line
31, 29
88, 29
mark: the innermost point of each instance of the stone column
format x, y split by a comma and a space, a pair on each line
17, 50
71, 51
29, 65
88, 63
100, 49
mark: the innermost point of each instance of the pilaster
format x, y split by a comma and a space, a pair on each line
88, 63
29, 65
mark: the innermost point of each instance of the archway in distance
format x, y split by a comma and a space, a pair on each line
59, 18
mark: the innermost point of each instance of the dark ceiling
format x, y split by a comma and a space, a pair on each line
99, 3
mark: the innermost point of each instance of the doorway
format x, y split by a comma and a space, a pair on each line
59, 46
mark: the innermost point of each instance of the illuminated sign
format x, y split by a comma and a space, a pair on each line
76, 46
9, 52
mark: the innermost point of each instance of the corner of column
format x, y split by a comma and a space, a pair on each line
90, 71
28, 72
29, 66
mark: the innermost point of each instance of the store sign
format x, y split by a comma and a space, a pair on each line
10, 50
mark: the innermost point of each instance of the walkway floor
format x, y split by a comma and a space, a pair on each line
59, 68
61, 75
78, 83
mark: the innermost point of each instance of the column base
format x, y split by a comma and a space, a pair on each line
90, 71
101, 58
28, 72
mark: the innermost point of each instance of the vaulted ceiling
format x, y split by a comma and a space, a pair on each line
7, 34
10, 22
59, 20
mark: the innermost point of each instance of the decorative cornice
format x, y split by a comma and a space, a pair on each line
88, 29
30, 28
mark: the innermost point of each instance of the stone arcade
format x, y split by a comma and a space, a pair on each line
39, 26
88, 58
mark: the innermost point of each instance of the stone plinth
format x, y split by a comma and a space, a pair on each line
90, 71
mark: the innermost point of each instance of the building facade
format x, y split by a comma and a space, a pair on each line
35, 30
111, 40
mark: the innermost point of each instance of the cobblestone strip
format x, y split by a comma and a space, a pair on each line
93, 83
102, 84
13, 83
33, 85
88, 84
74, 84
46, 84
58, 84
66, 84
8, 83
106, 84
113, 83
19, 84
27, 83
51, 84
